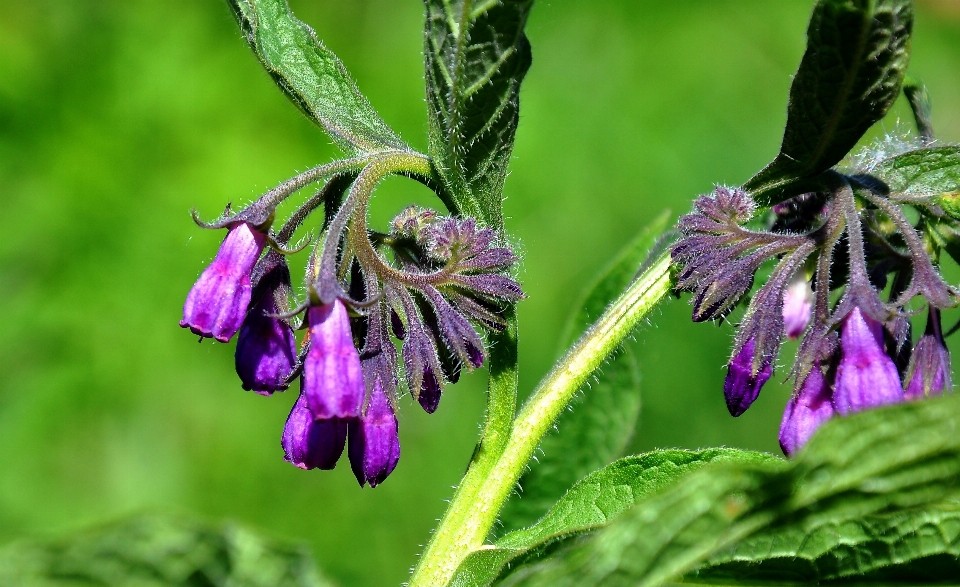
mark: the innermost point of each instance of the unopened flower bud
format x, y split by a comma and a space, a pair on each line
374, 445
332, 378
743, 383
309, 443
805, 412
216, 305
797, 305
929, 370
866, 375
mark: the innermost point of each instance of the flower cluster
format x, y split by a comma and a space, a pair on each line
424, 287
849, 265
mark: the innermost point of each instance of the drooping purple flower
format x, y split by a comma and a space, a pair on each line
266, 349
797, 306
743, 382
374, 445
866, 375
332, 378
309, 443
216, 305
929, 370
805, 412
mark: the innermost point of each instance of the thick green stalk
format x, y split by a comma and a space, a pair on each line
490, 479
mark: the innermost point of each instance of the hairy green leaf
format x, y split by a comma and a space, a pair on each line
476, 56
880, 462
312, 76
158, 552
601, 420
591, 503
922, 172
921, 545
850, 75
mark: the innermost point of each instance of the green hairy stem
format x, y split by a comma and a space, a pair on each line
493, 473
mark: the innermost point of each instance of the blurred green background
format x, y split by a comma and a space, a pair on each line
117, 117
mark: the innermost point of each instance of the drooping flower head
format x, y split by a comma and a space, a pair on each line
847, 359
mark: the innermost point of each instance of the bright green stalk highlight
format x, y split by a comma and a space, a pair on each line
484, 489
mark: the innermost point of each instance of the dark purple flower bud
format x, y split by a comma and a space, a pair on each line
374, 444
929, 370
216, 305
332, 378
459, 335
396, 325
266, 349
866, 375
805, 412
797, 307
743, 382
310, 443
430, 390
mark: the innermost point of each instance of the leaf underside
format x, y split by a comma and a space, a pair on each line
877, 469
313, 77
850, 75
476, 57
591, 503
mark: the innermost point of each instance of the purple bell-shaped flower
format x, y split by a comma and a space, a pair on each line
374, 445
216, 305
805, 412
309, 443
266, 349
332, 378
742, 385
929, 370
866, 376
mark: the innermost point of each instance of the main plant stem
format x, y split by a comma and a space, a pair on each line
494, 471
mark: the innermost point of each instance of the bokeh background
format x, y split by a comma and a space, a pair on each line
117, 117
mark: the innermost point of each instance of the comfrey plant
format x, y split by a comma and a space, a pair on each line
853, 251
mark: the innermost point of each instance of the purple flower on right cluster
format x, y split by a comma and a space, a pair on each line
855, 351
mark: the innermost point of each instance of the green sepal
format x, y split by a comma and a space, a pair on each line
849, 77
313, 77
886, 461
602, 419
476, 57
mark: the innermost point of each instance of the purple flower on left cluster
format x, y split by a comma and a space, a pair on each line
855, 353
448, 274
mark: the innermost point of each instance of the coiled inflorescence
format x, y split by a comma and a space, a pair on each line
424, 286
848, 266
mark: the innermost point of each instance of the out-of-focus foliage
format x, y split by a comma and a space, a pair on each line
158, 552
117, 117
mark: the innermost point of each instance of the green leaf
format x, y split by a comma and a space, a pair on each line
850, 75
592, 502
476, 56
880, 462
158, 552
912, 545
922, 172
313, 77
603, 417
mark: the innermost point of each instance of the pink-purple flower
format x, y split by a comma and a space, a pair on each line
332, 378
374, 445
744, 380
216, 305
806, 411
866, 376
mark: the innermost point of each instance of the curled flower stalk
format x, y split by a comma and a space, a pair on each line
432, 285
849, 269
